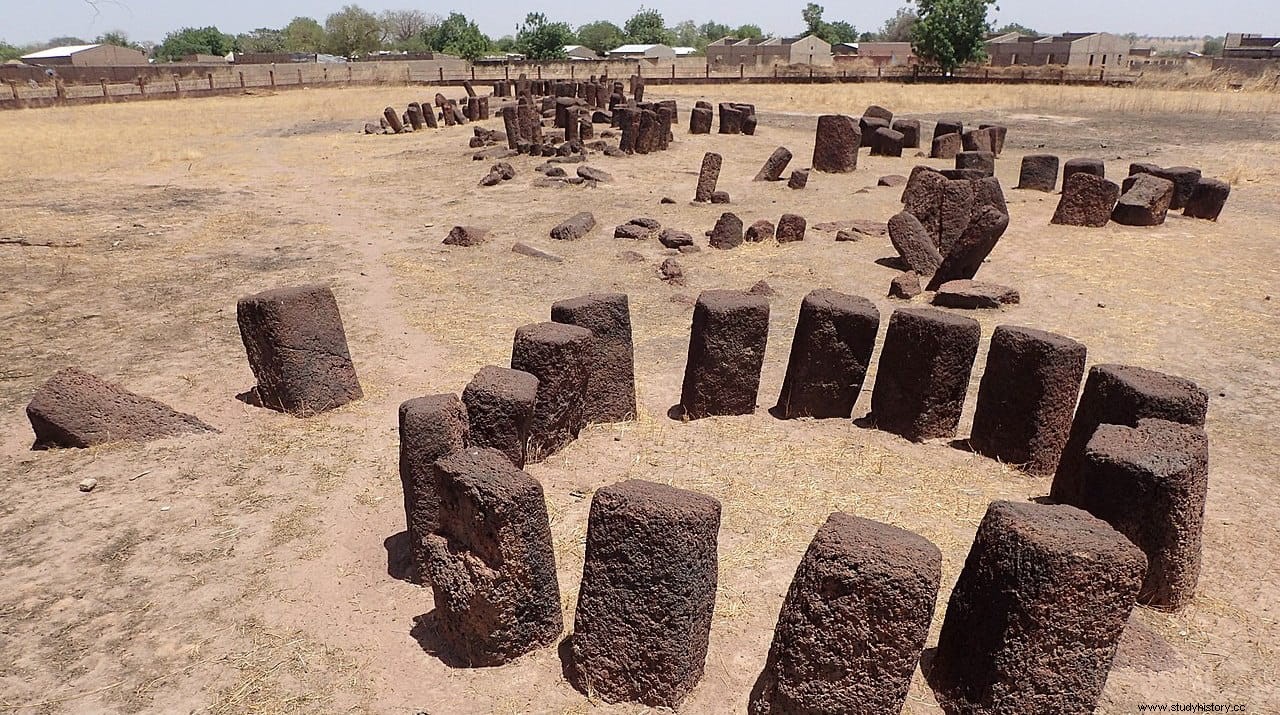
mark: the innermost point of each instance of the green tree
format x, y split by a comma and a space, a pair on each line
10, 52
600, 36
457, 35
840, 31
263, 39
402, 29
60, 42
748, 32
812, 16
1212, 47
1015, 27
194, 41
647, 27
303, 34
686, 34
352, 31
950, 33
118, 38
538, 39
713, 30
506, 43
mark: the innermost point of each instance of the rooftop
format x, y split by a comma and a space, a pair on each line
64, 51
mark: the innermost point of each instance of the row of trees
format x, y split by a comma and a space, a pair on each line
947, 32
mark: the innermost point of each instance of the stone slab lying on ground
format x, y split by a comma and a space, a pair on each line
970, 294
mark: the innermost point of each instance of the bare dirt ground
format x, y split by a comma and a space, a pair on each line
250, 571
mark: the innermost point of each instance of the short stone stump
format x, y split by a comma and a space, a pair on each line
1087, 200
726, 351
1039, 172
556, 354
297, 349
853, 623
500, 404
431, 427
643, 619
836, 143
924, 373
830, 353
1207, 200
1034, 620
610, 359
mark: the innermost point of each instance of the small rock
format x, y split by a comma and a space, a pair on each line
846, 235
649, 223
690, 249
671, 272
591, 173
719, 197
968, 294
466, 236
525, 249
87, 484
892, 180
761, 288
632, 231
905, 285
503, 169
493, 178
761, 230
667, 200
672, 238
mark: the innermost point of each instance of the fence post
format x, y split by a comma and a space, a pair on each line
13, 88
708, 70
177, 86
210, 80
299, 75
742, 70
879, 72
349, 73
103, 82
60, 89
506, 72
473, 73
1101, 74
539, 71
142, 86
272, 74
325, 70
441, 68
241, 80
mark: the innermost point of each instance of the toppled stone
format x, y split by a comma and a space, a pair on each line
466, 236
671, 272
892, 180
525, 249
969, 294
727, 232
1145, 203
799, 179
913, 244
590, 173
774, 165
1207, 200
574, 227
671, 238
632, 231
761, 230
905, 285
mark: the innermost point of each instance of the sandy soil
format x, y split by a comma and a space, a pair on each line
254, 570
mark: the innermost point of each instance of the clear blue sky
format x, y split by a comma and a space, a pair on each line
23, 21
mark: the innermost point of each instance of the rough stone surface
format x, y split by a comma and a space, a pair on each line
970, 295
914, 244
525, 249
700, 120
727, 232
905, 285
491, 562
946, 146
965, 256
799, 179
556, 354
924, 373
719, 197
1122, 395
1039, 172
574, 227
76, 409
910, 130
999, 133
731, 118
726, 351
791, 227
983, 161
979, 140
590, 173
431, 427
500, 404
671, 272
1145, 202
867, 128
297, 349
1026, 398
1087, 200
1207, 200
1149, 482
886, 142
1097, 167
834, 337
610, 358
948, 126
892, 180
671, 238
643, 620
774, 165
707, 176
835, 148
1034, 620
853, 624
761, 230
632, 231
466, 236
1185, 179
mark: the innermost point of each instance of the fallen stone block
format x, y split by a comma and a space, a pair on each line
1145, 203
574, 227
466, 236
974, 295
1087, 200
774, 165
1207, 200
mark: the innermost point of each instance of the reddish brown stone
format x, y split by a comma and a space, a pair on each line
1095, 167
76, 409
965, 256
431, 427
726, 351
774, 165
500, 404
671, 272
731, 118
914, 244
707, 176
727, 232
979, 140
867, 128
946, 146
643, 620
761, 230
799, 179
791, 228
829, 355
1039, 172
886, 142
905, 285
491, 561
1185, 179
1087, 200
574, 227
297, 350
1145, 203
1026, 398
1207, 200
948, 126
836, 142
466, 236
924, 373
1122, 394
1149, 483
556, 354
863, 583
415, 116
393, 120
671, 238
974, 295
910, 130
1034, 620
610, 358
700, 120
983, 161
879, 112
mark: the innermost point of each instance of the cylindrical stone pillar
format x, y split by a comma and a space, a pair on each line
924, 373
726, 352
834, 338
556, 354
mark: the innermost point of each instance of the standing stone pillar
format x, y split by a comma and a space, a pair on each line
500, 404
836, 142
829, 355
610, 357
556, 354
924, 373
431, 427
707, 176
648, 590
726, 352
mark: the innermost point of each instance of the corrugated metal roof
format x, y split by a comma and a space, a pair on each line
632, 49
64, 51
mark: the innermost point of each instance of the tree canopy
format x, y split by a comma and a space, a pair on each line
539, 39
10, 52
457, 35
647, 27
263, 39
303, 34
119, 38
895, 29
352, 31
713, 30
833, 32
950, 33
195, 41
747, 32
1015, 27
600, 36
